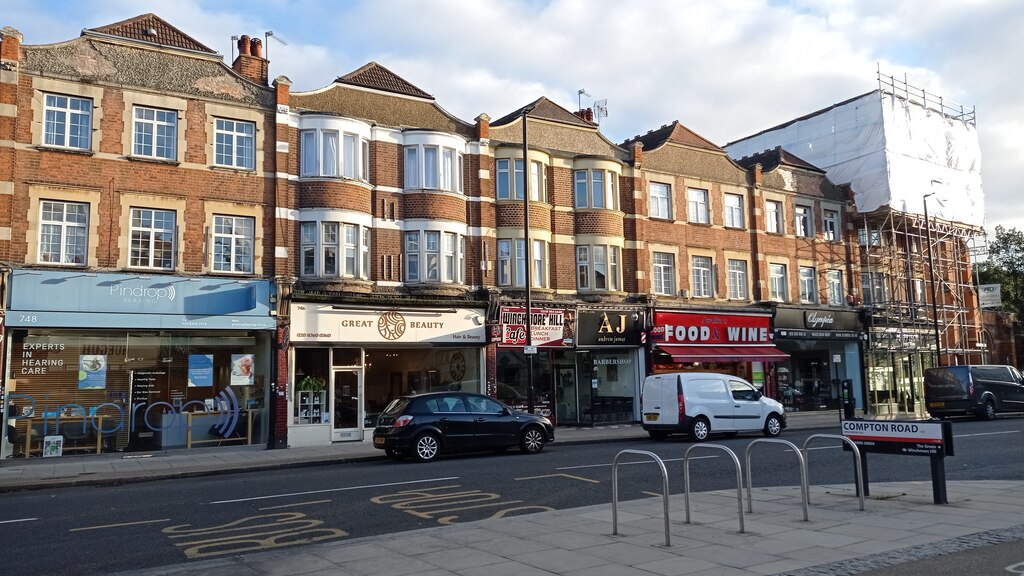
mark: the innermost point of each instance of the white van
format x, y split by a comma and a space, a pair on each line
699, 403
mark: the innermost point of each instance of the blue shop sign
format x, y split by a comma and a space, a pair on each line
50, 299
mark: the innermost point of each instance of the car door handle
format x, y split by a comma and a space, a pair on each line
480, 419
443, 420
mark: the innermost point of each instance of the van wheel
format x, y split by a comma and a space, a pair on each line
657, 434
772, 426
700, 429
990, 410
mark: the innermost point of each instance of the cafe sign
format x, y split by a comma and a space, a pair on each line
549, 327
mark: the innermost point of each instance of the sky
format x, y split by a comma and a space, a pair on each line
724, 69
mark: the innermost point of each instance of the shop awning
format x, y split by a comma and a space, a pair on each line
682, 353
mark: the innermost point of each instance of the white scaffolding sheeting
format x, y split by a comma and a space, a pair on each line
892, 151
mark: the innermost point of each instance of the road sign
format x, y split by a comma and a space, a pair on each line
529, 349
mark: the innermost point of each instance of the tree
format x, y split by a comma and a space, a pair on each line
1005, 266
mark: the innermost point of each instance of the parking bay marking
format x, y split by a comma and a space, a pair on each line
560, 475
630, 463
326, 490
294, 504
120, 525
18, 520
430, 503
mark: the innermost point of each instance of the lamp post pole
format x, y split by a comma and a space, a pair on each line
528, 280
931, 276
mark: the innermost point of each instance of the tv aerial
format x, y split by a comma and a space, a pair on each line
266, 41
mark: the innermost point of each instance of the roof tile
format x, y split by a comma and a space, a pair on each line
138, 28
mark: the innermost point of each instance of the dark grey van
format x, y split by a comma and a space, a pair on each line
979, 390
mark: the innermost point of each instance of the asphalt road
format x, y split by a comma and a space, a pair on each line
96, 530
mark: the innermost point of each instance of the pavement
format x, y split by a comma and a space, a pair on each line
899, 523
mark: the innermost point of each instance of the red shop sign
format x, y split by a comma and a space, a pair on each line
700, 328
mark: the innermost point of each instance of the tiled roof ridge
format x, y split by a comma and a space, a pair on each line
166, 34
378, 77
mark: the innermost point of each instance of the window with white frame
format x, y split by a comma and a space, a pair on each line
830, 223
595, 189
664, 273
234, 144
874, 287
773, 217
872, 235
152, 239
155, 133
333, 154
598, 267
67, 122
512, 263
661, 200
803, 221
778, 286
63, 232
233, 244
434, 256
808, 285
836, 295
734, 211
697, 205
334, 249
700, 270
510, 183
431, 167
737, 279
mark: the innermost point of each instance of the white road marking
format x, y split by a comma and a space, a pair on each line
120, 525
18, 520
333, 490
986, 434
629, 463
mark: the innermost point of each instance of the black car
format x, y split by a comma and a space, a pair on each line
979, 390
425, 425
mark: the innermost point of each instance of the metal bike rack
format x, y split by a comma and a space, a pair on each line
856, 461
615, 489
803, 472
739, 479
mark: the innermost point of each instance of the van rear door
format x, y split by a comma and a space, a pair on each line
946, 384
660, 401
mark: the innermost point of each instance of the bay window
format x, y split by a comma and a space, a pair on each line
512, 263
335, 249
432, 167
435, 256
333, 154
598, 268
595, 189
510, 183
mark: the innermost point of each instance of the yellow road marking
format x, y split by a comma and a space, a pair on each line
119, 525
562, 475
295, 504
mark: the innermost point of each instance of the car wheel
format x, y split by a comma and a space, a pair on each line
532, 440
395, 454
700, 429
657, 434
772, 426
427, 447
990, 410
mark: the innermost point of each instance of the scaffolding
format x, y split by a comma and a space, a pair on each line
904, 259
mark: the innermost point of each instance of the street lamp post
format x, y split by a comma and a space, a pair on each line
931, 276
528, 280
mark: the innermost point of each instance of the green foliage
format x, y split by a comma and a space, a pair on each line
311, 384
1005, 266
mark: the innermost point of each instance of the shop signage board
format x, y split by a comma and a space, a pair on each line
324, 323
609, 327
58, 299
711, 328
549, 327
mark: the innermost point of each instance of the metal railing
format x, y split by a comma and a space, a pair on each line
739, 479
664, 490
804, 491
856, 461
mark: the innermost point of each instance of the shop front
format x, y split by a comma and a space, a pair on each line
112, 362
895, 361
348, 363
553, 361
609, 369
825, 351
737, 343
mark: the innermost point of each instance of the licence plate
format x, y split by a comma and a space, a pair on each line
651, 417
378, 441
936, 404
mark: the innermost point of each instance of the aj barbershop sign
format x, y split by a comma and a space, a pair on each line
609, 327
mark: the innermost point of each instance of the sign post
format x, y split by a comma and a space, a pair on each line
907, 437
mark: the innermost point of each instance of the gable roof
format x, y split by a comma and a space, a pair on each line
377, 77
544, 109
674, 132
151, 29
771, 158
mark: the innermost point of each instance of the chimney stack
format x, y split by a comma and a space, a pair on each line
10, 44
250, 62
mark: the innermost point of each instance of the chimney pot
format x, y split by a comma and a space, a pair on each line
257, 47
243, 45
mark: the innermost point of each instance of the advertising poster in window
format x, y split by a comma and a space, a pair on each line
241, 369
200, 370
92, 372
